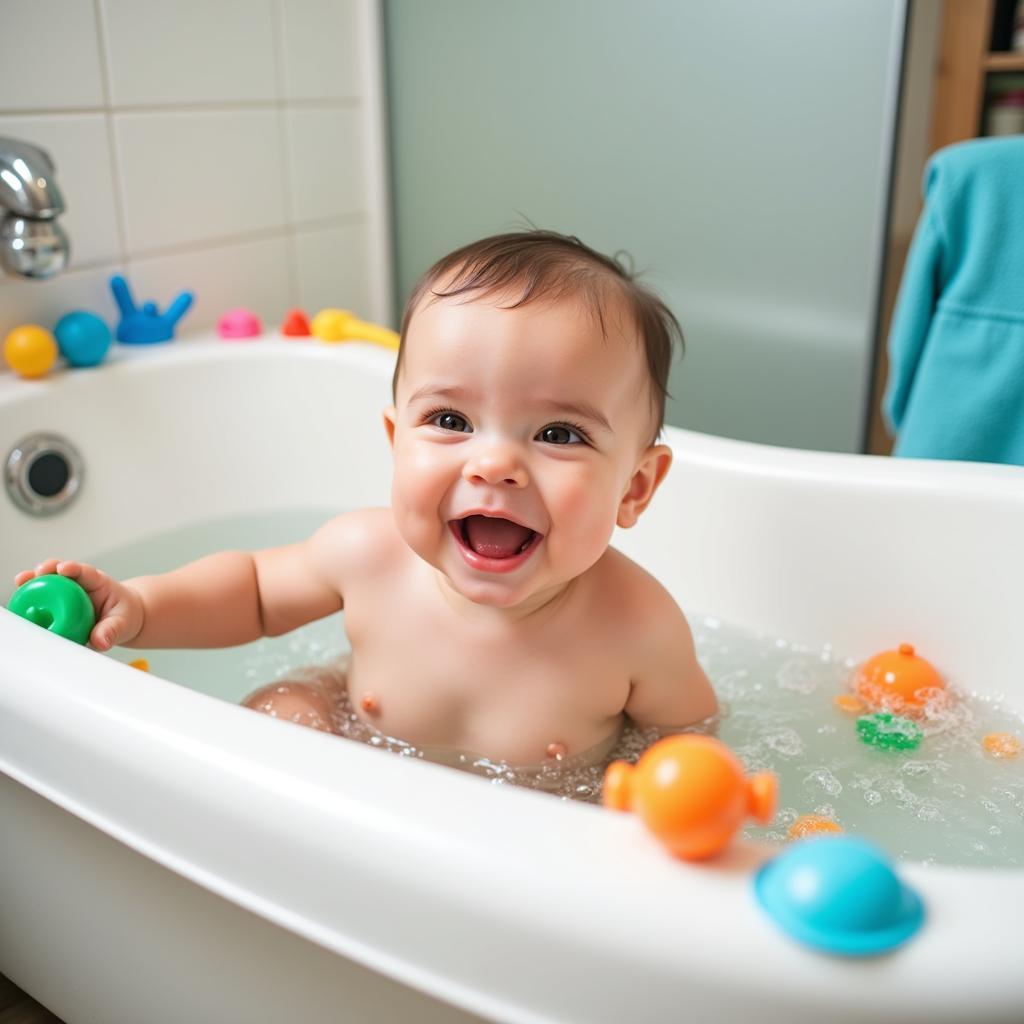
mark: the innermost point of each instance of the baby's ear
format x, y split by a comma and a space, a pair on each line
389, 424
647, 477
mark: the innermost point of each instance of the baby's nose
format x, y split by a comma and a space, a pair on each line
496, 463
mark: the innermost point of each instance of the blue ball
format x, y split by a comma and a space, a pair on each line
839, 894
83, 338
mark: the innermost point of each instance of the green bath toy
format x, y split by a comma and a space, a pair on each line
56, 603
889, 732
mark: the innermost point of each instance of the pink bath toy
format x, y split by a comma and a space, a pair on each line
239, 323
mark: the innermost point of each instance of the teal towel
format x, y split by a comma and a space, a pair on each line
956, 348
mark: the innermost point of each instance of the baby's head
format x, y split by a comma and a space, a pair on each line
529, 396
542, 266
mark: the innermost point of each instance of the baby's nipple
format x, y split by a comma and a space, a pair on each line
557, 751
370, 704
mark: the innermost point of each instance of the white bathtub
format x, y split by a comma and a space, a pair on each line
168, 857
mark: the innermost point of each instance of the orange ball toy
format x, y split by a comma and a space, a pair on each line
897, 680
30, 350
690, 791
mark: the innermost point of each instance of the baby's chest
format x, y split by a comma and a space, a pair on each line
433, 687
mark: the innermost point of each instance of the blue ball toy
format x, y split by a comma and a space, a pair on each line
83, 338
839, 894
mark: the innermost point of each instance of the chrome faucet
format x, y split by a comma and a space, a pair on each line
32, 243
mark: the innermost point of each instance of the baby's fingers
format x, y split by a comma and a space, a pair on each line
45, 568
87, 576
107, 632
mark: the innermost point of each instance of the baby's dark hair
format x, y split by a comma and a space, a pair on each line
545, 264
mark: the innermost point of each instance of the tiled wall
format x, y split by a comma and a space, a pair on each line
232, 147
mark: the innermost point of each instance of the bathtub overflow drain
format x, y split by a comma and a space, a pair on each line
43, 473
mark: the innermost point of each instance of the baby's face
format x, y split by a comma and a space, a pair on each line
520, 438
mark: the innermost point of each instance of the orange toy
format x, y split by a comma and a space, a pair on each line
812, 825
897, 681
850, 704
690, 791
295, 325
1001, 745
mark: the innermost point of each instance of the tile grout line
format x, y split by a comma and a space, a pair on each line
284, 141
188, 107
112, 148
212, 244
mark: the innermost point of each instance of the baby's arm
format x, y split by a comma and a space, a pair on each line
222, 600
234, 597
669, 688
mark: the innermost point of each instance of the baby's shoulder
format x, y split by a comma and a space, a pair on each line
634, 596
361, 541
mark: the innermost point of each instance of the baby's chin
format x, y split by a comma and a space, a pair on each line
504, 596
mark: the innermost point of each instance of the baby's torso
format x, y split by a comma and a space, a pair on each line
522, 693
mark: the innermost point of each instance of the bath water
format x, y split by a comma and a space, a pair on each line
947, 802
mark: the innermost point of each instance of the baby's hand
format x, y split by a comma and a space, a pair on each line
119, 612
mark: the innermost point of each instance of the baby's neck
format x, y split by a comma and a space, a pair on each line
537, 608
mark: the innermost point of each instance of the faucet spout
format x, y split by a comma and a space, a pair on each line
27, 184
32, 243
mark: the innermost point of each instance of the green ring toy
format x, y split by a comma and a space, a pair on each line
889, 732
56, 603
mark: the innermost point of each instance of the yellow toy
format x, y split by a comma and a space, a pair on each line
341, 325
30, 350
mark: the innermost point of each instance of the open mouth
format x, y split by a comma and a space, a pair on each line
492, 543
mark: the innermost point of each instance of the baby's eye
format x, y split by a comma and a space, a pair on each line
448, 420
560, 433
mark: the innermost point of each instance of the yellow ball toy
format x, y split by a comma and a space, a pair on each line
30, 350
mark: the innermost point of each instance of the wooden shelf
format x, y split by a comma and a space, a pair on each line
1013, 61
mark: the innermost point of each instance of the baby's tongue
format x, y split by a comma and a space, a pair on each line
495, 538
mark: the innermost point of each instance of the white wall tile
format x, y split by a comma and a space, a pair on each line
320, 45
189, 51
262, 206
326, 160
252, 274
331, 267
49, 55
189, 177
23, 301
80, 147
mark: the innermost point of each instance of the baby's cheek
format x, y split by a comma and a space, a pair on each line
416, 518
585, 526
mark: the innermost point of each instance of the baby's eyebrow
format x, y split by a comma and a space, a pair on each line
582, 409
439, 391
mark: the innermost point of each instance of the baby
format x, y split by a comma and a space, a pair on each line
485, 609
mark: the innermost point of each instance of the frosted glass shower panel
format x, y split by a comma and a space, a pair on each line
738, 151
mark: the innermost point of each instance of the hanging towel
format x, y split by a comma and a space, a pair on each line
956, 347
